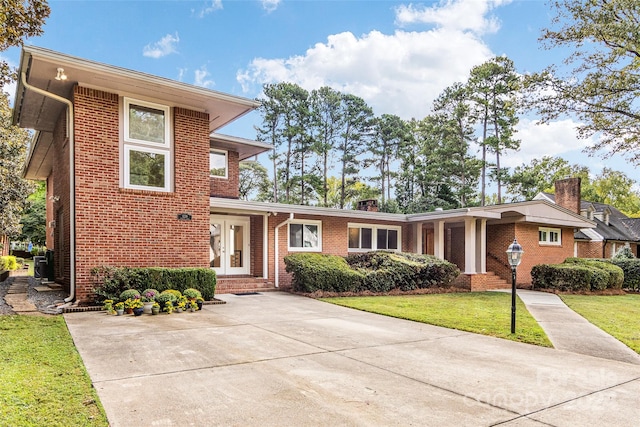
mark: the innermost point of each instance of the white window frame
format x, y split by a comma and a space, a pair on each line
547, 239
226, 163
374, 236
127, 175
167, 122
305, 249
143, 146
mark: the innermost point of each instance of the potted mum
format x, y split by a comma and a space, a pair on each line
119, 308
108, 306
155, 308
136, 306
148, 298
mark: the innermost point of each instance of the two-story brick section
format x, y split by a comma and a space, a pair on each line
137, 175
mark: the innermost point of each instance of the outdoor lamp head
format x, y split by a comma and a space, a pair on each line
514, 254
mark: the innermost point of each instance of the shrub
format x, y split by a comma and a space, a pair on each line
631, 269
109, 282
191, 293
129, 294
8, 263
164, 298
312, 272
614, 274
563, 277
405, 271
624, 253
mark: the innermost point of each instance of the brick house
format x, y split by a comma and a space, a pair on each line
129, 183
613, 229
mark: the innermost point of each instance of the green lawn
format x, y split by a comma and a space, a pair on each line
487, 313
42, 380
618, 315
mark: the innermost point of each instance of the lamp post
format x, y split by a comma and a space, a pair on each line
514, 255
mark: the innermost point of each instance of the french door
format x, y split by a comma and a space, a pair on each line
229, 244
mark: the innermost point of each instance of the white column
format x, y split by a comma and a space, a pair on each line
265, 246
438, 239
481, 236
418, 234
470, 246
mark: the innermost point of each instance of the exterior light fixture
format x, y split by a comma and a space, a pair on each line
514, 256
61, 76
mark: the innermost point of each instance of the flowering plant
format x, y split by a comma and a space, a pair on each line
119, 306
168, 307
155, 305
108, 306
149, 295
133, 303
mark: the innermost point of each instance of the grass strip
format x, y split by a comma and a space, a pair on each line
486, 313
617, 315
43, 381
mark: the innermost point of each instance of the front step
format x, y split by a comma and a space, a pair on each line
237, 285
495, 282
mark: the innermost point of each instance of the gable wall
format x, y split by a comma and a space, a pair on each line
123, 227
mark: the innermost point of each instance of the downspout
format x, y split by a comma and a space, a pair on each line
72, 182
276, 251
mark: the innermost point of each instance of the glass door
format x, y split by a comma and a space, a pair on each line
229, 245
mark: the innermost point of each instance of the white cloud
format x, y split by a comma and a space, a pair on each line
163, 47
270, 5
461, 15
399, 73
558, 139
210, 7
201, 78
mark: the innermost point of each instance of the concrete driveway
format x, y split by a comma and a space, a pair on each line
282, 360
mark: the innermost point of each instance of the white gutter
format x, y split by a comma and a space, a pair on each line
276, 251
72, 182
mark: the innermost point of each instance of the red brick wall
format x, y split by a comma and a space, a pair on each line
334, 240
229, 187
121, 227
59, 208
589, 249
257, 245
500, 236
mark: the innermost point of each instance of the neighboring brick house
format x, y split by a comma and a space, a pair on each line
613, 230
137, 176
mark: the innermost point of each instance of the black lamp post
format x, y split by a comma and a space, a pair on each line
514, 255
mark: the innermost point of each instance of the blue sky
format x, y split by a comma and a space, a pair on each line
396, 55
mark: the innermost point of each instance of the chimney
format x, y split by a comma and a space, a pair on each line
370, 205
568, 194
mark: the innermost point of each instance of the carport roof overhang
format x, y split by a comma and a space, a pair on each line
41, 113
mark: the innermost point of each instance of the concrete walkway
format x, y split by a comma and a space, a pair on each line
568, 331
276, 359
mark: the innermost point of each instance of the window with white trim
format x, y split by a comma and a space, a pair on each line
147, 146
218, 164
305, 236
550, 236
366, 237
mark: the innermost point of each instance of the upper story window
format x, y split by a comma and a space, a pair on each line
549, 236
365, 237
218, 164
147, 146
305, 235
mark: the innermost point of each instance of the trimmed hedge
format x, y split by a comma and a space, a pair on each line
109, 282
615, 274
312, 272
578, 274
631, 269
563, 277
385, 270
378, 271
